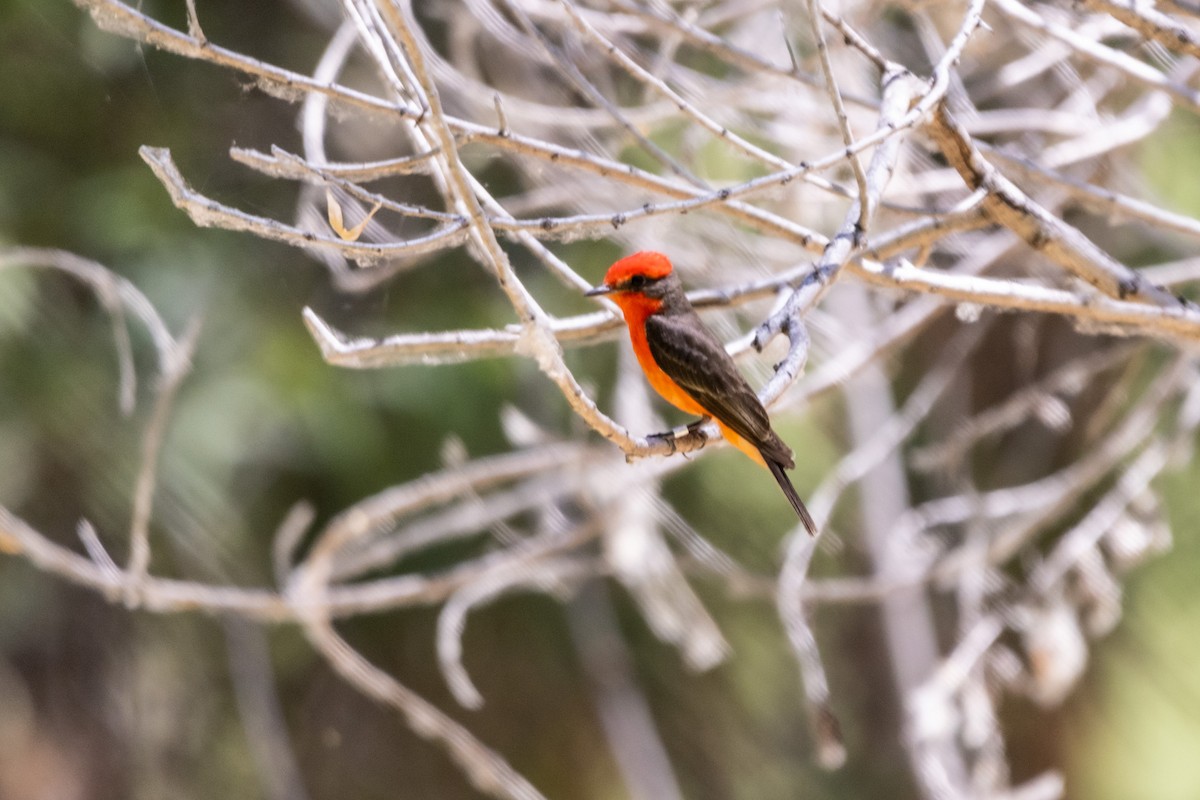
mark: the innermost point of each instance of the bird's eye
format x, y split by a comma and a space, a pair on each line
637, 282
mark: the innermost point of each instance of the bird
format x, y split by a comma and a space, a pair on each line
686, 364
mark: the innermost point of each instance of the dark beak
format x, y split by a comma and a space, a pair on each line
603, 288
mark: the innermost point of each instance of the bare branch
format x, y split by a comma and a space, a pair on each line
694, 130
179, 364
1152, 24
211, 214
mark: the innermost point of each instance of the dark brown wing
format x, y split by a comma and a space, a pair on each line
695, 360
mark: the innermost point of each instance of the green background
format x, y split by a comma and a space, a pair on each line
99, 702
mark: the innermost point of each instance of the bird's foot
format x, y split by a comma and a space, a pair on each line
667, 437
672, 437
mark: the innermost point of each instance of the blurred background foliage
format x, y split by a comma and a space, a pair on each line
97, 702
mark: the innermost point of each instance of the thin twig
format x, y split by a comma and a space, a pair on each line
179, 364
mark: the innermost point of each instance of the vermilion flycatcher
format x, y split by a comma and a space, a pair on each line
689, 367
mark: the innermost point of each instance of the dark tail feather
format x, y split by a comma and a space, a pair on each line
785, 483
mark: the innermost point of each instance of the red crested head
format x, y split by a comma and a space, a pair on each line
647, 264
640, 284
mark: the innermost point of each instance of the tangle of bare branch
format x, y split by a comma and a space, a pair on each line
840, 204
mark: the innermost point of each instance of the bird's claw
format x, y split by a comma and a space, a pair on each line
668, 437
671, 437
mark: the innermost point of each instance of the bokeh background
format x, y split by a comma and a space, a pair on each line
99, 702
